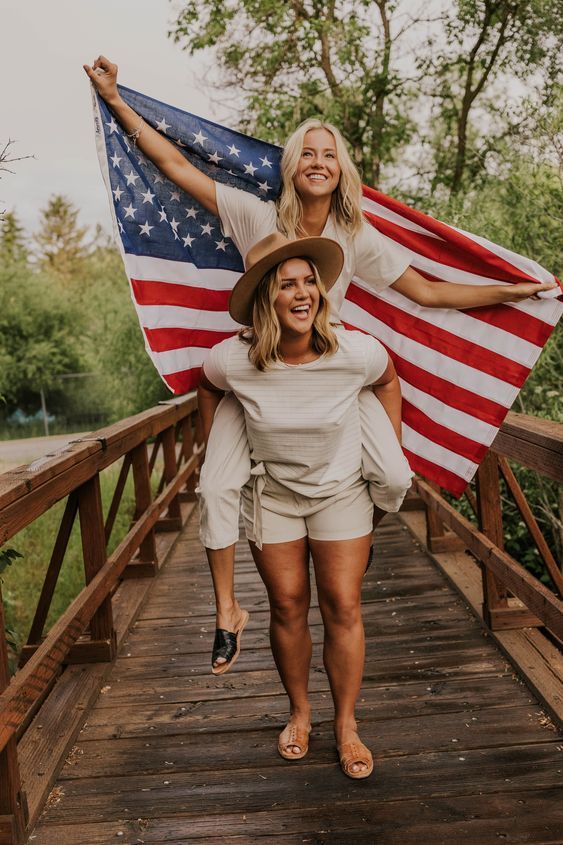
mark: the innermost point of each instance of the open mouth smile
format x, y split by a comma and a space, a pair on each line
301, 311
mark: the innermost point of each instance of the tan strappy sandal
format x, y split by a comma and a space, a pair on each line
355, 752
292, 735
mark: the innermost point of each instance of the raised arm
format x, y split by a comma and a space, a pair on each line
448, 295
163, 153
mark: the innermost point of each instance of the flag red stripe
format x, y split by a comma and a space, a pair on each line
519, 323
482, 256
433, 472
442, 435
445, 391
439, 339
181, 296
183, 381
163, 340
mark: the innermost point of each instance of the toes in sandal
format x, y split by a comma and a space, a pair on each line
227, 644
355, 752
292, 735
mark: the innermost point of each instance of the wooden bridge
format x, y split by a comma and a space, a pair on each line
114, 730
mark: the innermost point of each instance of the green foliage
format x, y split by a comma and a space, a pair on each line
60, 245
7, 557
13, 249
38, 333
298, 60
22, 584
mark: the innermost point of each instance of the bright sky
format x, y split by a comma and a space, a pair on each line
45, 101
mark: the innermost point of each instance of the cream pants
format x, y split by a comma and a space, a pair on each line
227, 467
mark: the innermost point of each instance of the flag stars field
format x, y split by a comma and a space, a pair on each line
112, 126
250, 169
115, 159
199, 138
148, 196
207, 229
234, 151
145, 229
162, 126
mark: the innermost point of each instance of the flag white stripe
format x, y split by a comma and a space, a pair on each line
176, 360
425, 448
464, 326
457, 421
146, 268
428, 359
379, 210
172, 316
527, 265
546, 308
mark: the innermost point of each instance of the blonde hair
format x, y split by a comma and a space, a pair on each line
265, 335
346, 199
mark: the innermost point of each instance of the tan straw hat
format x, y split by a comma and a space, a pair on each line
325, 253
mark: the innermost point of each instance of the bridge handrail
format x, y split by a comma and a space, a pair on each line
512, 597
28, 492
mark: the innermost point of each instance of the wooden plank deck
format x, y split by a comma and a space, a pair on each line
172, 754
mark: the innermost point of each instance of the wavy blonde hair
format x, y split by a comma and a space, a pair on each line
346, 199
265, 335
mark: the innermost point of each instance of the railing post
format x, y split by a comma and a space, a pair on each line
189, 494
499, 610
146, 562
173, 519
13, 802
489, 514
437, 539
103, 644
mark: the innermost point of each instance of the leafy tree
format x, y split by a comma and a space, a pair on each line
38, 334
483, 47
338, 59
13, 247
61, 249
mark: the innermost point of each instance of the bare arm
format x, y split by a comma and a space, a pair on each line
158, 149
447, 295
208, 399
388, 391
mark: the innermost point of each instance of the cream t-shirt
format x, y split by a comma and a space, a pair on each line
303, 420
246, 220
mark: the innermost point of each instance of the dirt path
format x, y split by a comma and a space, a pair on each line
13, 453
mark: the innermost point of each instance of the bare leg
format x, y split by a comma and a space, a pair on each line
229, 612
339, 568
284, 569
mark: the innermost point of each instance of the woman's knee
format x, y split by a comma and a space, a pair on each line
289, 609
340, 610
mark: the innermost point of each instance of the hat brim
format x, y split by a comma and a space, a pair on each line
326, 255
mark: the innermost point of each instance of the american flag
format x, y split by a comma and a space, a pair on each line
460, 371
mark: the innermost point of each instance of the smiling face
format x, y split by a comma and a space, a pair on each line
297, 302
318, 170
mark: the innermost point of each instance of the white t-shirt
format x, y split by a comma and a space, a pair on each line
246, 220
303, 420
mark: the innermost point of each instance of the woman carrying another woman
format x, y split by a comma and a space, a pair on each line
321, 195
298, 380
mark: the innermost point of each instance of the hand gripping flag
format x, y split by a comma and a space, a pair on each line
460, 371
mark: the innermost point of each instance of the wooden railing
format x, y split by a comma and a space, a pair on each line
74, 474
512, 596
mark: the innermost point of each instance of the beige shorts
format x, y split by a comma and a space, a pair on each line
289, 516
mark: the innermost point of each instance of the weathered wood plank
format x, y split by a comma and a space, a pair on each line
316, 779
